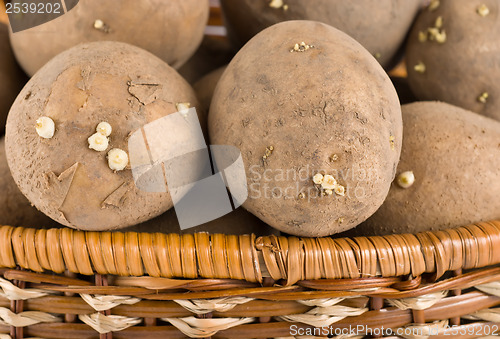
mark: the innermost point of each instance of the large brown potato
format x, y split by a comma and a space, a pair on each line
459, 61
12, 77
15, 209
380, 26
172, 30
83, 86
296, 110
455, 158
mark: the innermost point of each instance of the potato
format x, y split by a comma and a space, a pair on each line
172, 30
301, 99
380, 26
12, 77
15, 209
91, 83
237, 222
454, 155
453, 55
205, 87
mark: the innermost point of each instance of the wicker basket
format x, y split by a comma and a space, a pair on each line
62, 283
127, 285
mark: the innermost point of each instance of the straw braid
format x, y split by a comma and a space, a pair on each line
9, 318
247, 258
418, 303
203, 306
108, 323
12, 292
203, 328
324, 316
106, 302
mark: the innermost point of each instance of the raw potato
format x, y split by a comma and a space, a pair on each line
465, 68
205, 87
172, 30
455, 156
324, 106
12, 77
15, 209
380, 26
111, 82
237, 222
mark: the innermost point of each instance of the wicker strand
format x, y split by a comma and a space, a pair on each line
492, 288
12, 292
326, 312
324, 316
418, 303
106, 302
203, 328
325, 302
491, 314
203, 306
28, 318
108, 323
246, 258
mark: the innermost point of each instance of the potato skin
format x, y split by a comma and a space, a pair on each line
466, 65
171, 30
11, 75
15, 209
455, 156
333, 98
78, 89
380, 26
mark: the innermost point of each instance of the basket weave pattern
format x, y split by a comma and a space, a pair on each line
242, 286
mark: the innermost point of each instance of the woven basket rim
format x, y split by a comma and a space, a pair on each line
250, 258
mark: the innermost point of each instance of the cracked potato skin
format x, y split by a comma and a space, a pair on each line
78, 89
171, 30
455, 156
380, 26
333, 98
466, 65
